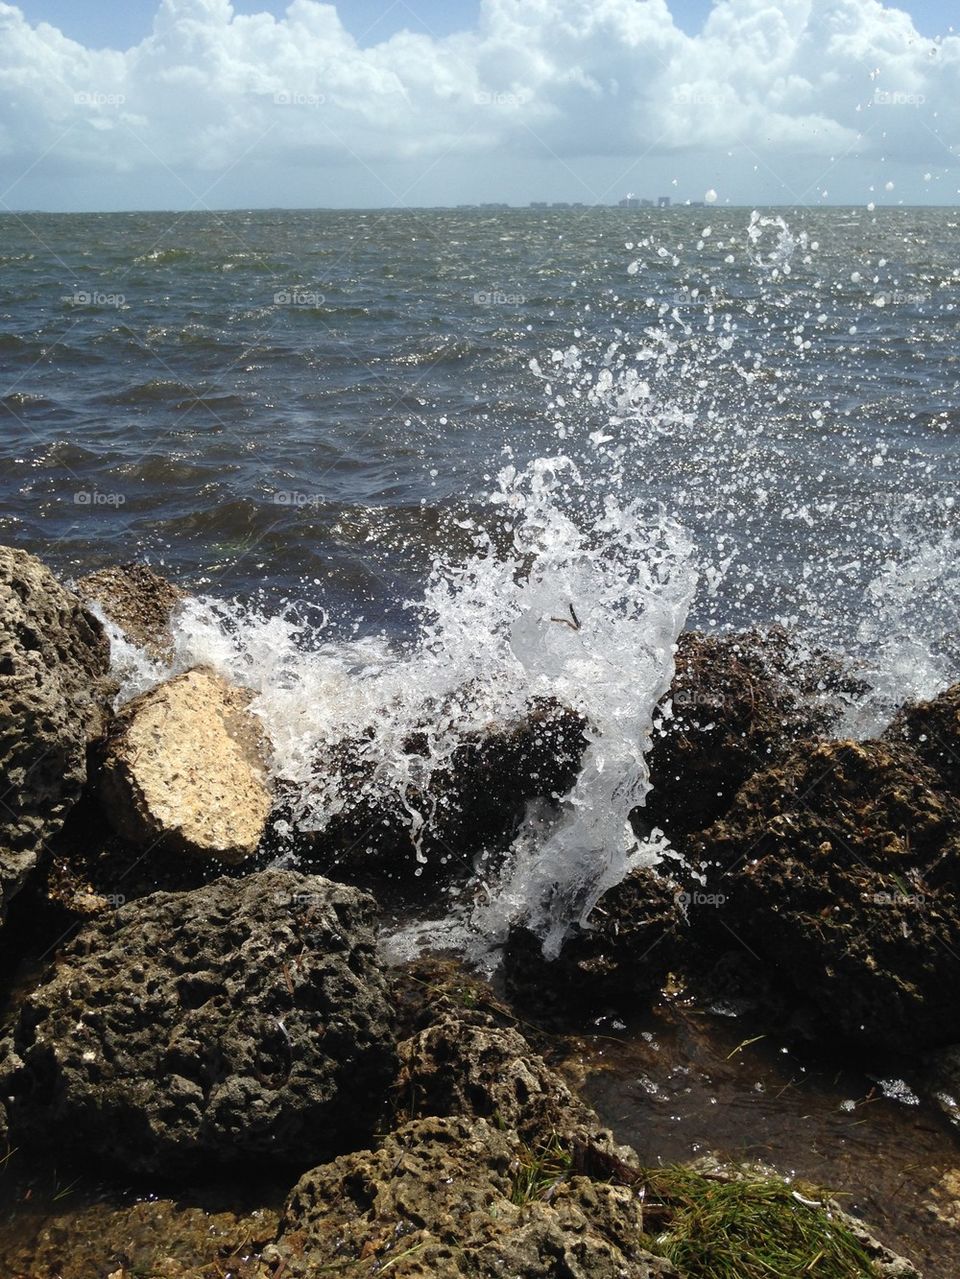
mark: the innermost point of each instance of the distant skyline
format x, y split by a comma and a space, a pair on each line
180, 104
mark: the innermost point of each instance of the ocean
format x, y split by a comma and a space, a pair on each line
395, 454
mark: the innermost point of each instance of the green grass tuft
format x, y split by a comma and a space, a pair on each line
537, 1171
747, 1229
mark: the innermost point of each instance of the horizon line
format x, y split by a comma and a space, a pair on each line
558, 206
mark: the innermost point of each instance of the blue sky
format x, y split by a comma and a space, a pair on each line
204, 103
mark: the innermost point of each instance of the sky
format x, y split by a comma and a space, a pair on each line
180, 104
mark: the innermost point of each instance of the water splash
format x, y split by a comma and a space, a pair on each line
908, 639
708, 392
584, 605
599, 619
683, 410
773, 244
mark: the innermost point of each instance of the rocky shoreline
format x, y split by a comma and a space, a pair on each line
182, 1009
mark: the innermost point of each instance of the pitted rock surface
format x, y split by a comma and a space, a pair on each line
737, 704
246, 1019
154, 1238
184, 766
137, 600
842, 868
933, 730
53, 700
461, 1068
440, 1198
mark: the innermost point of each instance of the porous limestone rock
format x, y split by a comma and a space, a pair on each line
841, 869
137, 600
245, 1020
54, 693
184, 766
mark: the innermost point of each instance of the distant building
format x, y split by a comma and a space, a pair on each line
538, 204
663, 202
560, 204
629, 202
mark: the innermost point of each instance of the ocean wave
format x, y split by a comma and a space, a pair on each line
155, 391
163, 257
24, 401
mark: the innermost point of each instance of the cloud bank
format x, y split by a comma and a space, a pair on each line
210, 92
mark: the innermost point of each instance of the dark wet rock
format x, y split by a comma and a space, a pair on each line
460, 1068
457, 1197
738, 703
156, 1238
840, 867
184, 767
933, 730
723, 976
620, 960
93, 869
137, 600
430, 988
476, 802
246, 1019
53, 698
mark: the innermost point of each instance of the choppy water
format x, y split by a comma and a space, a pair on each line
412, 444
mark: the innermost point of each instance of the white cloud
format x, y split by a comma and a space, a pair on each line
209, 90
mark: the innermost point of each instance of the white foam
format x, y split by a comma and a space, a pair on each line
909, 635
585, 607
575, 591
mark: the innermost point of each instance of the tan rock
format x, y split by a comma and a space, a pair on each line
157, 1237
944, 1200
184, 765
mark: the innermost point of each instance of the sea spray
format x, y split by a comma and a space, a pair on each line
907, 646
705, 392
684, 408
582, 602
599, 616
